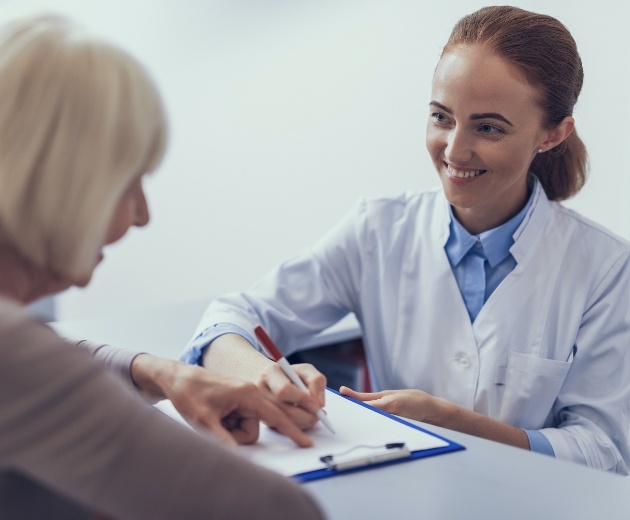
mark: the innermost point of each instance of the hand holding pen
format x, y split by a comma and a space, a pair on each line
274, 353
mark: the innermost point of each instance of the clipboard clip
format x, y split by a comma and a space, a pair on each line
375, 454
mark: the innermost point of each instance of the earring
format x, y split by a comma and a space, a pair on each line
540, 150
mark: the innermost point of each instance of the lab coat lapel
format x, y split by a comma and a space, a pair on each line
441, 319
513, 318
515, 285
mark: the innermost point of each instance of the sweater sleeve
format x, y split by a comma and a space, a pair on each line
118, 360
71, 425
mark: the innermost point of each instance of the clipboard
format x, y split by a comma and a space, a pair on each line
366, 438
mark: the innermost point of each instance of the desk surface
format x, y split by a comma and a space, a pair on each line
486, 481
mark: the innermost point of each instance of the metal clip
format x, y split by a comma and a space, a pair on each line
375, 454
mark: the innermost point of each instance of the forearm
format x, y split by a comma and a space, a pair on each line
420, 406
461, 419
118, 360
233, 355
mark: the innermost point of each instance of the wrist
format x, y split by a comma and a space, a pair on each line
151, 374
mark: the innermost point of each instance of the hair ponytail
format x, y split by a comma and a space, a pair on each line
562, 170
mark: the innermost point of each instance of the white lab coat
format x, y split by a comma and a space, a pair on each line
549, 350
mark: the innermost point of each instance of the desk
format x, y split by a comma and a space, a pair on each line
486, 481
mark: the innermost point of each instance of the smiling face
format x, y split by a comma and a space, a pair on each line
484, 130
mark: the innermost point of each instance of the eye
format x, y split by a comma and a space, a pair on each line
490, 129
439, 117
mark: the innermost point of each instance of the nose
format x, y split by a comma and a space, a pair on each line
142, 209
459, 148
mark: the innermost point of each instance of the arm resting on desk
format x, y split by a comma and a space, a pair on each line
420, 406
229, 407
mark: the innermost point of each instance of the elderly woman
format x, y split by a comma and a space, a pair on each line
80, 125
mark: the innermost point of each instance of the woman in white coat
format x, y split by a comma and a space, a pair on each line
486, 307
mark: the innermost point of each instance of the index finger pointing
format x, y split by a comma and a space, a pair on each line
273, 417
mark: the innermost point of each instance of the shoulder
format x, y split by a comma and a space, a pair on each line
589, 251
16, 323
25, 341
396, 222
588, 232
402, 206
13, 315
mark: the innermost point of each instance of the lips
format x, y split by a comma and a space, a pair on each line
463, 174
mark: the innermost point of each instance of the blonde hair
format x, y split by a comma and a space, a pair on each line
80, 119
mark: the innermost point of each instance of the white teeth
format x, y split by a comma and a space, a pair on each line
452, 172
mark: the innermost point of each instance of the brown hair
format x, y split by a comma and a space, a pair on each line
545, 51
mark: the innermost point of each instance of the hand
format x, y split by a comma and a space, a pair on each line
420, 406
299, 406
413, 404
230, 408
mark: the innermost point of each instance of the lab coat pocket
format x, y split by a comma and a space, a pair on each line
531, 386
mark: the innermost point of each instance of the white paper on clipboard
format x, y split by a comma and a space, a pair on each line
357, 427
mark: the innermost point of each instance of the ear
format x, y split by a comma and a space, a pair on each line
558, 134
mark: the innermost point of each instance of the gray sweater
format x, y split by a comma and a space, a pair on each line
75, 437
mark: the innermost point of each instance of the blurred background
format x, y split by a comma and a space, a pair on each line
285, 112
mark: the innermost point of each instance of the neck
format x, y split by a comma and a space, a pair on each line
23, 281
480, 219
475, 224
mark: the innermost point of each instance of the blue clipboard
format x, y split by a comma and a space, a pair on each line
335, 454
380, 457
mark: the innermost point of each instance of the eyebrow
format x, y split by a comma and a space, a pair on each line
484, 115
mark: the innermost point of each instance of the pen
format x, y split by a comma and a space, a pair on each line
274, 352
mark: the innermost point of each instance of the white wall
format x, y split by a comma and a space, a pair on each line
285, 112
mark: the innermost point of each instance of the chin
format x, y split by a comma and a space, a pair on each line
80, 280
83, 281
